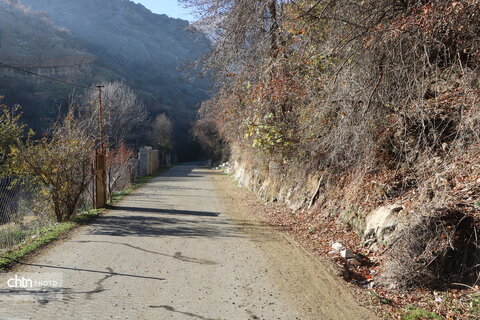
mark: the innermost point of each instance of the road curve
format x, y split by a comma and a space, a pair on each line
177, 249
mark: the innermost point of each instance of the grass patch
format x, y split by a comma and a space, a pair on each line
46, 235
15, 235
53, 232
119, 195
475, 304
414, 313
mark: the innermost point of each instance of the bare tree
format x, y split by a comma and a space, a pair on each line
120, 163
248, 33
162, 132
123, 113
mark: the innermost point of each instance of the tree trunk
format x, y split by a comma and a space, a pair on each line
272, 8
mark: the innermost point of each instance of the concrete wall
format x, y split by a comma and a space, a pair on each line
148, 161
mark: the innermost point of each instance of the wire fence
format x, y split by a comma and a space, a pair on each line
25, 209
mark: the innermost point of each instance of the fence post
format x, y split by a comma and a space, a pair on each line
100, 182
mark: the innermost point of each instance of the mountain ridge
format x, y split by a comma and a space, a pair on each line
112, 40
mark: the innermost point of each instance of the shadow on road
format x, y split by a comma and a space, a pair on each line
177, 255
47, 293
155, 226
165, 211
110, 272
186, 171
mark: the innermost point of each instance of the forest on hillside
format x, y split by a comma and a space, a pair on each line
354, 109
84, 43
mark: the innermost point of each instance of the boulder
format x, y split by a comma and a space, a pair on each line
381, 223
337, 246
355, 262
347, 254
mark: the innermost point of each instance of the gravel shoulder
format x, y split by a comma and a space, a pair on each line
184, 246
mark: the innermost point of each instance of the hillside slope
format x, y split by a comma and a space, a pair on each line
29, 41
362, 113
122, 41
147, 47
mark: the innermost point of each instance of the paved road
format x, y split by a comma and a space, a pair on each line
171, 250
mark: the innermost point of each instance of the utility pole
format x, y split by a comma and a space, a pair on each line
100, 160
100, 119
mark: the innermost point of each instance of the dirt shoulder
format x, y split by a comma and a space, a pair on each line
310, 283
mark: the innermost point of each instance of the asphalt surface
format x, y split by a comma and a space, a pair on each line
176, 249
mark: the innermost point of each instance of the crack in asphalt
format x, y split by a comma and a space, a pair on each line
177, 255
172, 309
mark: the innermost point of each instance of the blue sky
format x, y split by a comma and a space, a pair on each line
169, 7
